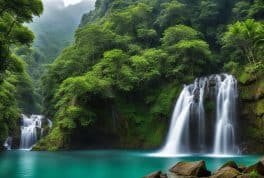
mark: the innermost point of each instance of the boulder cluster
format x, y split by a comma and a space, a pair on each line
198, 169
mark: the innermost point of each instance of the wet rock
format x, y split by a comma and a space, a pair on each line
162, 175
244, 176
231, 164
196, 169
241, 168
258, 168
173, 175
226, 172
157, 174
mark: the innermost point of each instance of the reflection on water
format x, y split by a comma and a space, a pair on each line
26, 165
96, 164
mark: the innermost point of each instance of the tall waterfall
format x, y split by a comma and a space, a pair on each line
29, 130
189, 128
226, 114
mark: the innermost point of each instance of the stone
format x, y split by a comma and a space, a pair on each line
231, 164
226, 172
241, 168
162, 175
197, 169
156, 174
173, 175
244, 176
258, 167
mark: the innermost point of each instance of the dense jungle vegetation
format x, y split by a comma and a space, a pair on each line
116, 84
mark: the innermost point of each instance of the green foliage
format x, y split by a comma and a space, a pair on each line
12, 32
177, 33
247, 37
172, 13
14, 82
254, 174
130, 58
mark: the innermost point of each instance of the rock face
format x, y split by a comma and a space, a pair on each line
197, 169
251, 107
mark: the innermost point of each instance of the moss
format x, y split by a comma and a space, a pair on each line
253, 91
244, 78
260, 108
254, 174
53, 142
210, 106
164, 101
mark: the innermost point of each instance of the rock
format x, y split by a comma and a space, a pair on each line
258, 168
162, 175
197, 169
157, 174
241, 168
231, 164
226, 172
172, 175
244, 176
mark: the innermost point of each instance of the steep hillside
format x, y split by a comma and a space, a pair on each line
116, 85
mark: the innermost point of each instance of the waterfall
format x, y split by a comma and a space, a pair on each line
8, 143
188, 131
226, 113
29, 130
178, 126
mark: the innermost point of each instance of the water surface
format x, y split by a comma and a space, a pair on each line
97, 164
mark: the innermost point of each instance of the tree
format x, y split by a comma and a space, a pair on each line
256, 11
12, 32
174, 34
246, 37
240, 11
172, 13
194, 54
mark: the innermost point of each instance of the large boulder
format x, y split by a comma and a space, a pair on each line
226, 172
258, 168
241, 168
196, 169
231, 164
157, 174
245, 176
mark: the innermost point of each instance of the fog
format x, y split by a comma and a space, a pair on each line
66, 2
54, 29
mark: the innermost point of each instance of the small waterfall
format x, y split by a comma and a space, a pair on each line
188, 131
29, 130
226, 113
8, 143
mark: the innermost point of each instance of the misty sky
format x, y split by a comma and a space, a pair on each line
66, 2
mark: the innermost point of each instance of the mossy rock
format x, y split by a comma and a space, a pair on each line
231, 164
260, 108
245, 78
252, 92
52, 142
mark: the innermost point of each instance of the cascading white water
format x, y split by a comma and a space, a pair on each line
201, 114
178, 126
29, 134
178, 137
226, 113
8, 143
189, 111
